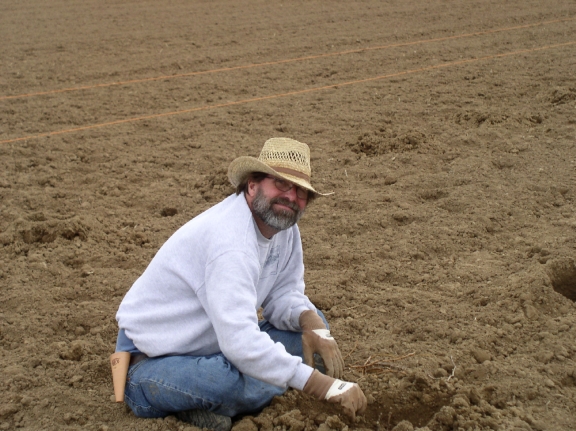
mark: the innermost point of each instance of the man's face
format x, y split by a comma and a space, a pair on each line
278, 209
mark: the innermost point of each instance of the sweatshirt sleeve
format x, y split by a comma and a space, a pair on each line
286, 301
230, 300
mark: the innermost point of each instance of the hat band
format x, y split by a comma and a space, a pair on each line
292, 172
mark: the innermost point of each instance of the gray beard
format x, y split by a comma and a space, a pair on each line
279, 220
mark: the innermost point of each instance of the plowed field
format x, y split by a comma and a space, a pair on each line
444, 260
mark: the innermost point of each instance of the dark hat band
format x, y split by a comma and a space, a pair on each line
292, 172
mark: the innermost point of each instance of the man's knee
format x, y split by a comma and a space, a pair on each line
323, 318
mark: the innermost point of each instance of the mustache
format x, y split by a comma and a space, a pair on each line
286, 202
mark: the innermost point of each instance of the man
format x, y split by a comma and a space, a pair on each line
191, 323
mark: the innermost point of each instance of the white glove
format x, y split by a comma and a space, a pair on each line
347, 394
320, 341
317, 339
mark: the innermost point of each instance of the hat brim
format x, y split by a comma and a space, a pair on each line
243, 166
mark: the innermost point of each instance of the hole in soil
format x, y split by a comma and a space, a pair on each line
415, 407
385, 412
562, 273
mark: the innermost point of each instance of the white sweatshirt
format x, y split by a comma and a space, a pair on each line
201, 292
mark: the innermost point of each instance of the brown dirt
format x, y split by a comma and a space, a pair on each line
445, 260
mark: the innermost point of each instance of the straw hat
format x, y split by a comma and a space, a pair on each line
281, 157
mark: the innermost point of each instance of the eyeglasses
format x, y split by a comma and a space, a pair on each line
285, 186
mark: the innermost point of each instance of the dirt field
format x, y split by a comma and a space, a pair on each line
445, 260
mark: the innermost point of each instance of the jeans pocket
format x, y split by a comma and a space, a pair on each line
135, 398
133, 368
143, 411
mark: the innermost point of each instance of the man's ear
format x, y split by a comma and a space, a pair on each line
251, 189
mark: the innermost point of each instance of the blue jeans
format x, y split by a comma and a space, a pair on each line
157, 387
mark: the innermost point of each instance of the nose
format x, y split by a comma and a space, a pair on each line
291, 194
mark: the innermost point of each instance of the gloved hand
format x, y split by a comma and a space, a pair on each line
320, 341
317, 339
347, 394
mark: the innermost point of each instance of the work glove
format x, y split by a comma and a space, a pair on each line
347, 394
317, 339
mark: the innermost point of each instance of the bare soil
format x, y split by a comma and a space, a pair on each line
444, 260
